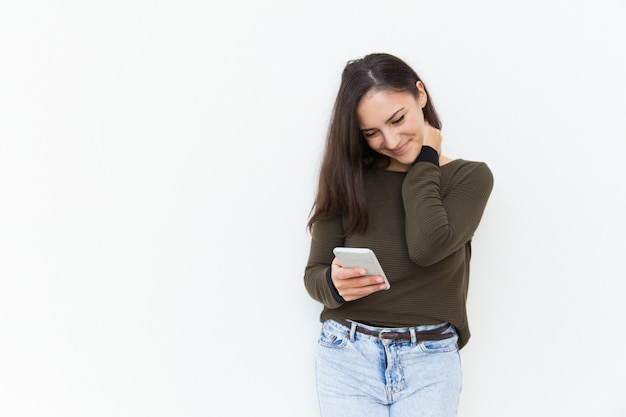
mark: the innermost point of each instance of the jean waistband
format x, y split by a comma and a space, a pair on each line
399, 334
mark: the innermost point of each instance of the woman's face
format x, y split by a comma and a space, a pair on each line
392, 123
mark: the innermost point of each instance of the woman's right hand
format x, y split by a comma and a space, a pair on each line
354, 283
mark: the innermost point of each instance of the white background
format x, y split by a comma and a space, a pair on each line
158, 161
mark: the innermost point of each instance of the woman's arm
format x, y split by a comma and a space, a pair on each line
325, 279
325, 236
437, 226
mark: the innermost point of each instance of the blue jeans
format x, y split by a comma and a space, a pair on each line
360, 375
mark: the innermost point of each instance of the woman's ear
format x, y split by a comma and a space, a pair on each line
422, 98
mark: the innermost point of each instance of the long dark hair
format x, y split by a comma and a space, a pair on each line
347, 156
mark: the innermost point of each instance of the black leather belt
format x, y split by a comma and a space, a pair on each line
404, 336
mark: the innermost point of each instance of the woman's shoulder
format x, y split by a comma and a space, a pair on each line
460, 170
464, 165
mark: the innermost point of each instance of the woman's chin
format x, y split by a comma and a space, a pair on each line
398, 165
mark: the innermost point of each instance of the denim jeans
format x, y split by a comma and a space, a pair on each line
360, 375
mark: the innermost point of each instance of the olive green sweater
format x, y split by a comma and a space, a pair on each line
421, 224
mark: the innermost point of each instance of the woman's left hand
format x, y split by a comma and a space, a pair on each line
432, 137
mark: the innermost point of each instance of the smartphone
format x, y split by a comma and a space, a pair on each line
360, 258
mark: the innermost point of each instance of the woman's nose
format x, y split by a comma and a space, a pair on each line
392, 140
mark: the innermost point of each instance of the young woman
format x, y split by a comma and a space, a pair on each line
385, 185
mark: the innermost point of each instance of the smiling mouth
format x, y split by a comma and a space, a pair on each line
400, 150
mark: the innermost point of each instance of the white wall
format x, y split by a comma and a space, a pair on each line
158, 160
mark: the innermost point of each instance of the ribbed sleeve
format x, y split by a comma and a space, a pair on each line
438, 225
326, 235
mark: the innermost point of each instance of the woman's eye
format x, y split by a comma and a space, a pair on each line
368, 135
398, 120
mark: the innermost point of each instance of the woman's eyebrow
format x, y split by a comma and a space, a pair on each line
394, 115
388, 120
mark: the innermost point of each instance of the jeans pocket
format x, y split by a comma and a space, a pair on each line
436, 346
332, 337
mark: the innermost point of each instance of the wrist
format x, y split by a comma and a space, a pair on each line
427, 154
332, 287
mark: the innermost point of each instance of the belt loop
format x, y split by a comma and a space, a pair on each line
352, 331
413, 337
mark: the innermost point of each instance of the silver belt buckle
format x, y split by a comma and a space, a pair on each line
380, 333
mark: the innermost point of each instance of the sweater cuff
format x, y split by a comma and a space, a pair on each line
428, 154
333, 289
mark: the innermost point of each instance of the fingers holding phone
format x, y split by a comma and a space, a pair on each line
354, 283
356, 273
